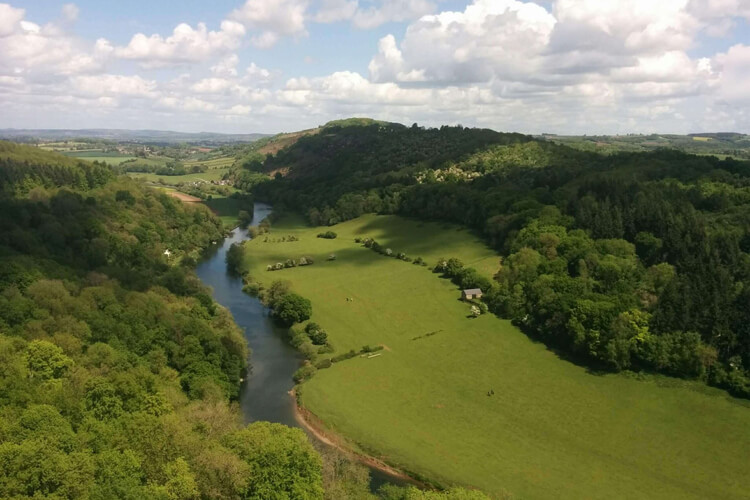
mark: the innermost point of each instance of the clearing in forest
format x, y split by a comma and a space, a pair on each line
550, 429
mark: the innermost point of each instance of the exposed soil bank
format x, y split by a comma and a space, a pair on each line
312, 424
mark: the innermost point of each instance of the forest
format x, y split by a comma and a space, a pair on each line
119, 374
629, 261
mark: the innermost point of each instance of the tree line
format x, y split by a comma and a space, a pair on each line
636, 261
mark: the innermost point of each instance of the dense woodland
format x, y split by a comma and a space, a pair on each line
632, 261
118, 372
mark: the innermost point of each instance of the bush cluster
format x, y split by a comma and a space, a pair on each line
289, 263
329, 235
464, 277
317, 335
377, 247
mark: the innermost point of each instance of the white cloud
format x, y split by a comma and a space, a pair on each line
331, 11
113, 86
226, 66
734, 69
570, 66
719, 9
185, 45
386, 11
35, 51
10, 19
490, 37
273, 19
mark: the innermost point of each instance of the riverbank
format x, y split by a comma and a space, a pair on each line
313, 425
473, 400
265, 392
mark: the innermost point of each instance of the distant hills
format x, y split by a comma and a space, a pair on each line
720, 144
123, 135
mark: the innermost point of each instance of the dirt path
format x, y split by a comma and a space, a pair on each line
313, 425
186, 198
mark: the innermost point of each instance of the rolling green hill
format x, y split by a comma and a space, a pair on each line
631, 261
549, 429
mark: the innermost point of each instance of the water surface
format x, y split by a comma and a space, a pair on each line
265, 393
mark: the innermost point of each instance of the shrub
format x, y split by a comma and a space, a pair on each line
418, 261
308, 350
297, 337
252, 289
332, 257
342, 357
329, 235
317, 335
326, 349
323, 364
304, 373
357, 240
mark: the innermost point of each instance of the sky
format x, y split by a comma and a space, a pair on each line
268, 66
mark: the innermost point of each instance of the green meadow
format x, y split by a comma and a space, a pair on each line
113, 159
551, 430
210, 175
213, 163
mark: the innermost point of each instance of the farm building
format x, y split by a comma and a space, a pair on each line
471, 293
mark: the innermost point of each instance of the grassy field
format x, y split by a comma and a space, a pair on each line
210, 175
98, 155
226, 208
551, 430
223, 162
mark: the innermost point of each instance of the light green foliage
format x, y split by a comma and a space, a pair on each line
46, 360
551, 429
181, 484
283, 463
116, 366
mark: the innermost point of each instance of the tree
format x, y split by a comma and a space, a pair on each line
283, 463
234, 257
45, 360
292, 308
181, 484
244, 218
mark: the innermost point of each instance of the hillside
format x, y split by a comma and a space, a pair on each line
631, 261
117, 368
119, 374
458, 399
721, 145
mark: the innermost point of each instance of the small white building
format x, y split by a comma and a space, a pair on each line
471, 293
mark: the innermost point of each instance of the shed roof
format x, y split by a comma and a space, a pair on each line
473, 291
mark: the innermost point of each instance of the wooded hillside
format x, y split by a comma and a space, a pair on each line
633, 261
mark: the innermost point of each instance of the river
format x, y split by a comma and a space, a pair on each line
265, 393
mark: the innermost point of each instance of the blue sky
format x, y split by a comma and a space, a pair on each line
564, 66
